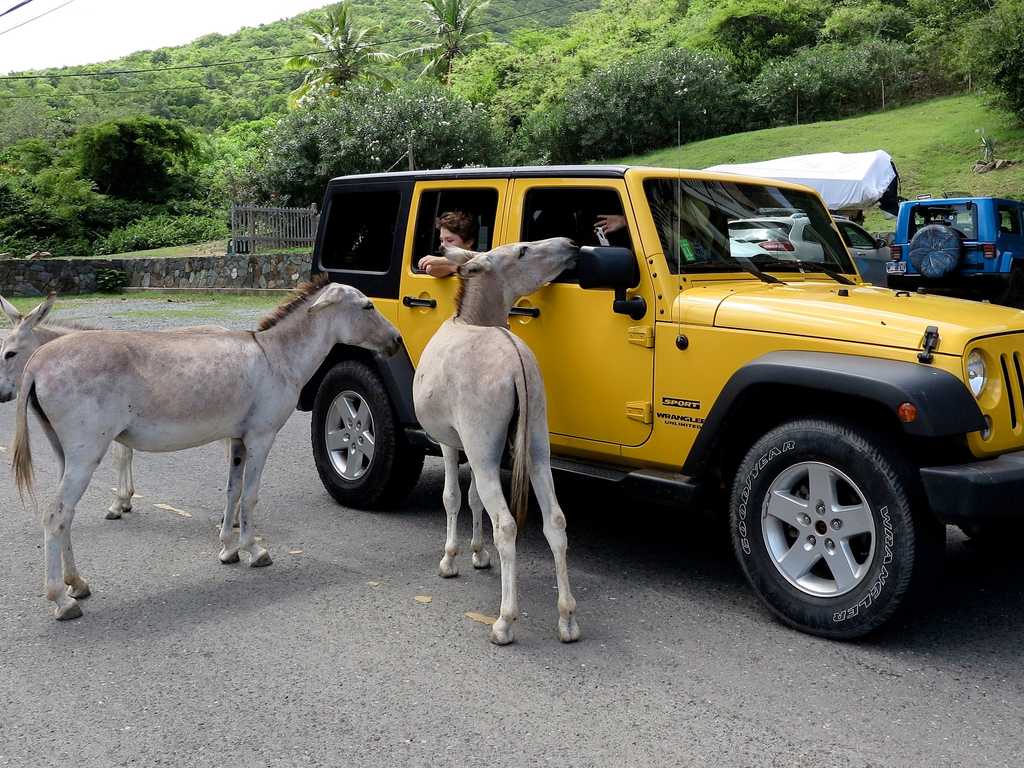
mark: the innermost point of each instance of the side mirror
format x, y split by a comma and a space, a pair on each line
606, 268
880, 243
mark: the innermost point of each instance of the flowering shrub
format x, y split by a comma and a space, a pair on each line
831, 82
636, 106
368, 131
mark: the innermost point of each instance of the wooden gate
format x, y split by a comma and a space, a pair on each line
257, 228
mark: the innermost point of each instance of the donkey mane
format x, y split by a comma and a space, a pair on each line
74, 325
460, 295
302, 292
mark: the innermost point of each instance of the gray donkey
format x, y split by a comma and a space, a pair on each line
472, 377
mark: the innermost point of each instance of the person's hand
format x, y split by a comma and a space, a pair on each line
610, 223
437, 266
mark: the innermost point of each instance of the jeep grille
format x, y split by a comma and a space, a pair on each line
1004, 402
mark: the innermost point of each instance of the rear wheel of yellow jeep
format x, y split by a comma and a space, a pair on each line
830, 527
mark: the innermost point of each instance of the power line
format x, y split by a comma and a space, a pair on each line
28, 21
119, 91
24, 2
100, 92
107, 73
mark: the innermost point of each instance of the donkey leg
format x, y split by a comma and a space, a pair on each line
257, 451
236, 468
452, 497
481, 558
125, 484
554, 532
77, 586
58, 555
504, 527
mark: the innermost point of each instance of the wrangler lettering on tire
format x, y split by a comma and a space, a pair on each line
830, 527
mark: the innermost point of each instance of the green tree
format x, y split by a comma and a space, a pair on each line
347, 53
640, 105
996, 44
368, 131
449, 24
755, 32
139, 158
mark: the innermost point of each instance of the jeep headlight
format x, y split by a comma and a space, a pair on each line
976, 372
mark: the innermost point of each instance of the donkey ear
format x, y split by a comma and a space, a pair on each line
475, 267
456, 255
12, 314
37, 315
330, 295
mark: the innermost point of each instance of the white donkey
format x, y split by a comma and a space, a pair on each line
237, 385
28, 334
473, 378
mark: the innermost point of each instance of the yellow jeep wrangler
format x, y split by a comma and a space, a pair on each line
715, 345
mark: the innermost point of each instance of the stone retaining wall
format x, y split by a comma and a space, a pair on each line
69, 277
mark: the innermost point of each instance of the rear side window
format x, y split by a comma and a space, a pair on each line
360, 234
1009, 220
856, 237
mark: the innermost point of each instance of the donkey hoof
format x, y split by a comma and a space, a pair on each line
68, 611
448, 569
261, 560
568, 630
79, 590
228, 558
481, 559
501, 633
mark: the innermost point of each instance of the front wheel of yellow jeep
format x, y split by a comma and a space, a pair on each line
831, 528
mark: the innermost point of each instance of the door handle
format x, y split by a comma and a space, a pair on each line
409, 301
525, 311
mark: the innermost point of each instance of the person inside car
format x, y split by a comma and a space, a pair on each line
458, 230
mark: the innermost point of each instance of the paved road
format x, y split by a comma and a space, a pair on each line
327, 658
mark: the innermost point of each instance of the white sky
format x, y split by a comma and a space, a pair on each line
90, 31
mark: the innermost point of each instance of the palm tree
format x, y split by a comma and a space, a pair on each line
346, 54
450, 22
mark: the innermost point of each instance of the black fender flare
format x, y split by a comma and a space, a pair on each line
945, 406
396, 372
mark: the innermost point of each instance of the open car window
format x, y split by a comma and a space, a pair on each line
480, 203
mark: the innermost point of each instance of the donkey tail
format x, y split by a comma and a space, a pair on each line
520, 490
21, 462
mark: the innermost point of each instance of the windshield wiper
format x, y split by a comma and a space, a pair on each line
751, 268
816, 267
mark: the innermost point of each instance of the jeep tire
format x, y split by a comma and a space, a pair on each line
1014, 295
361, 453
935, 250
831, 527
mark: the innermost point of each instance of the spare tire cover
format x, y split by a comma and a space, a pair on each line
935, 250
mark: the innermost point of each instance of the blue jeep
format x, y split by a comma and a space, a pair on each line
962, 246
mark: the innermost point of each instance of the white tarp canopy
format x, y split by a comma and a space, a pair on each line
844, 181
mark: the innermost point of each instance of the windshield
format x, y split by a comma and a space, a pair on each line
706, 226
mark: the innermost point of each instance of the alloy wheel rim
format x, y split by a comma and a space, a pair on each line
819, 530
349, 435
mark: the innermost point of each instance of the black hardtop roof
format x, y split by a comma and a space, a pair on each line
527, 171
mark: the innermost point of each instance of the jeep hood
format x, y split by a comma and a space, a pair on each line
867, 315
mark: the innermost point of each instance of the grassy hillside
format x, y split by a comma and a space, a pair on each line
934, 145
220, 80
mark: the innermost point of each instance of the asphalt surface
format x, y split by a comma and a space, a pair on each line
327, 657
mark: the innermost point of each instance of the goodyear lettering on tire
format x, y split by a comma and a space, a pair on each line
789, 445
